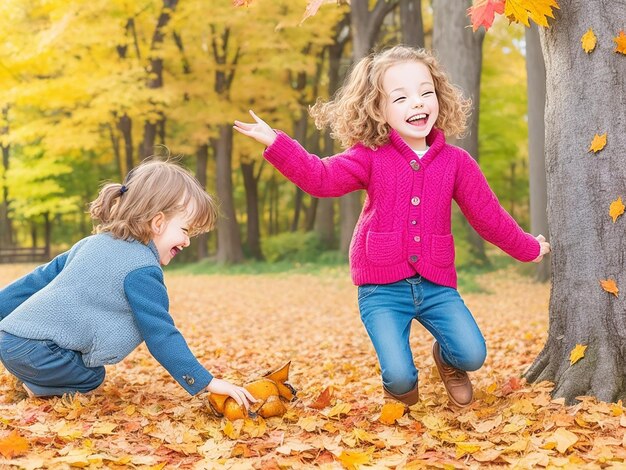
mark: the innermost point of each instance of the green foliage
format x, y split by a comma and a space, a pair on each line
292, 246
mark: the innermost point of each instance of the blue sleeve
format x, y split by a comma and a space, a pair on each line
16, 293
147, 296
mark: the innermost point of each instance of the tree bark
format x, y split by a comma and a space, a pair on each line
6, 225
153, 128
586, 94
228, 237
253, 229
460, 52
536, 85
412, 23
202, 159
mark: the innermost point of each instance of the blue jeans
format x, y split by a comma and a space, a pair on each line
46, 368
387, 311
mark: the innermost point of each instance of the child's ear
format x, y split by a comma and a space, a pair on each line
157, 223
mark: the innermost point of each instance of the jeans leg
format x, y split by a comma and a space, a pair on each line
46, 368
445, 315
387, 311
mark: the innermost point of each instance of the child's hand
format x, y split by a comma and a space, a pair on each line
544, 248
239, 394
260, 131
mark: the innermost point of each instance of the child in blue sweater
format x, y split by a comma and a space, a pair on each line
94, 304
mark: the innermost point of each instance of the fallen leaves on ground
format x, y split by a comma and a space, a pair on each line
240, 325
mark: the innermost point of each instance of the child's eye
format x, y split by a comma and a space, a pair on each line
399, 99
428, 93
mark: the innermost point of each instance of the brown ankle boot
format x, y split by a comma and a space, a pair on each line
409, 398
456, 381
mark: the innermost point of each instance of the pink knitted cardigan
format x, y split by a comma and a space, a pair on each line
405, 225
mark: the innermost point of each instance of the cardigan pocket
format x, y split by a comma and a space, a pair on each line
442, 250
384, 248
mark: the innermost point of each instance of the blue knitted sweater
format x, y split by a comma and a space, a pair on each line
102, 298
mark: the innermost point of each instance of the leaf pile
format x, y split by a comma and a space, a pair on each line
242, 326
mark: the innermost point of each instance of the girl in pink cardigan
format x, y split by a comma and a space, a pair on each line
392, 114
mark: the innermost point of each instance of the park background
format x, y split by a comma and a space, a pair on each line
90, 89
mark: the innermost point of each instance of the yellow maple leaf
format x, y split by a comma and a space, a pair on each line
520, 11
598, 143
353, 460
616, 208
589, 41
13, 445
577, 354
463, 448
610, 286
391, 412
620, 40
564, 439
339, 409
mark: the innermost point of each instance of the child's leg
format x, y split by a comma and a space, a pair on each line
387, 311
460, 346
47, 369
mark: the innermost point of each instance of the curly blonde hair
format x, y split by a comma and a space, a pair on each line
355, 114
151, 188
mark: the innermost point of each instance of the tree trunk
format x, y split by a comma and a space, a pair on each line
460, 52
155, 71
251, 185
125, 125
300, 127
6, 226
228, 237
202, 159
47, 234
536, 85
412, 23
586, 94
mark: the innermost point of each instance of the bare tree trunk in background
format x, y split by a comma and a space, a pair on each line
6, 225
253, 228
536, 85
365, 24
412, 22
300, 128
585, 95
155, 71
460, 52
202, 160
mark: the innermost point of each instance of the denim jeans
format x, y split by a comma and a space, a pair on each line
46, 368
387, 311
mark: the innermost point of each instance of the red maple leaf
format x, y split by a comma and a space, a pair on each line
482, 12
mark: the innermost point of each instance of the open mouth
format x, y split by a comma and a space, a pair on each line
174, 251
419, 119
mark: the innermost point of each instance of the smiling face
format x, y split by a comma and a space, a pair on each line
410, 103
170, 236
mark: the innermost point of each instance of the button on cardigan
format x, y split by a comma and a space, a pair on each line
405, 225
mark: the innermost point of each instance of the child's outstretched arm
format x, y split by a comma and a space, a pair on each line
147, 296
321, 177
16, 293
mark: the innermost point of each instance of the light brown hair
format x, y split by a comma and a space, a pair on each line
355, 114
154, 186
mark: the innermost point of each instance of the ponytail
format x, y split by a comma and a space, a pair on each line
103, 208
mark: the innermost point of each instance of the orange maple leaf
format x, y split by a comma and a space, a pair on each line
311, 9
242, 3
598, 143
482, 12
577, 354
589, 41
13, 445
323, 400
616, 208
620, 40
391, 412
610, 286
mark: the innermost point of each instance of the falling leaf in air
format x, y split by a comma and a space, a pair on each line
520, 11
13, 445
620, 40
616, 208
598, 143
577, 354
589, 41
391, 412
241, 3
482, 12
610, 286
